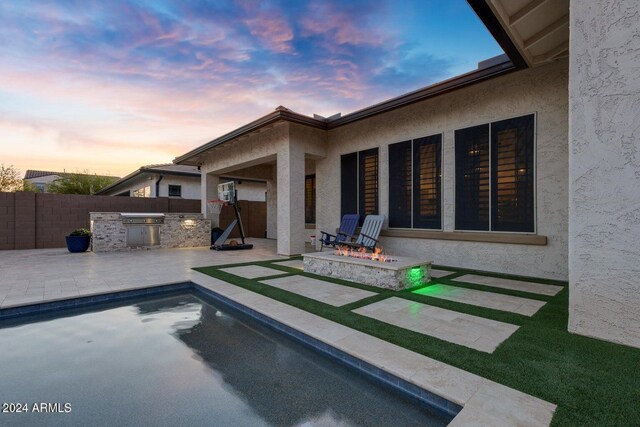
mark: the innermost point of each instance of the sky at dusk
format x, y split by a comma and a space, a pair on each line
109, 86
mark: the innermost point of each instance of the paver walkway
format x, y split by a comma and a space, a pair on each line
440, 273
252, 271
294, 263
327, 292
517, 285
459, 328
525, 306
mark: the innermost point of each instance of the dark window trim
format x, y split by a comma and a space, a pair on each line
412, 193
178, 186
535, 176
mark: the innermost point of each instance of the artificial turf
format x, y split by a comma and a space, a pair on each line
593, 382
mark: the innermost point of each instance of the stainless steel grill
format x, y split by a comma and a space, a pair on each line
143, 229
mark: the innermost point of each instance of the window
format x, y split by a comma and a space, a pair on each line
359, 183
175, 190
310, 199
142, 192
495, 176
415, 199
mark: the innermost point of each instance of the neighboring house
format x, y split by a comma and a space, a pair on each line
527, 165
42, 179
179, 181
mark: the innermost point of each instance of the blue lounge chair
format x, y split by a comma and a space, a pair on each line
369, 233
345, 232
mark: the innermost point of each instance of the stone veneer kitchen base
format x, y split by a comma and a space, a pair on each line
180, 230
401, 274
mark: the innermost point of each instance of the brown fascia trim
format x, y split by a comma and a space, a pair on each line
141, 171
488, 18
282, 113
441, 88
279, 114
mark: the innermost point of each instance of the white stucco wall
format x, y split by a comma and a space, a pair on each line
604, 165
542, 91
190, 185
252, 191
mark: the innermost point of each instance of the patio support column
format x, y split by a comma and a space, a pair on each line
272, 206
209, 191
604, 170
290, 186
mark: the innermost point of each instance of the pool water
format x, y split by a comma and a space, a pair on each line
178, 360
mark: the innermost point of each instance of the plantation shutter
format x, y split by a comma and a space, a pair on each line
400, 185
472, 178
512, 177
310, 199
349, 183
426, 182
368, 182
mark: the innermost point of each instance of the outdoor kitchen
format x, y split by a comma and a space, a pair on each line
122, 231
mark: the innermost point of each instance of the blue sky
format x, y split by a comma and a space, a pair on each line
111, 85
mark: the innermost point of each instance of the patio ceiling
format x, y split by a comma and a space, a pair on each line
538, 28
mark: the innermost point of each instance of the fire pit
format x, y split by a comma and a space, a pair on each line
374, 269
376, 255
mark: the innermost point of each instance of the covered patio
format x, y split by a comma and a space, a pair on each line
280, 148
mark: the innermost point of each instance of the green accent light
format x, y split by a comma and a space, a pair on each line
415, 276
430, 290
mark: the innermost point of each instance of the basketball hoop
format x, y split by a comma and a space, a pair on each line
215, 206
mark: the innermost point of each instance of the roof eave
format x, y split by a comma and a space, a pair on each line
279, 115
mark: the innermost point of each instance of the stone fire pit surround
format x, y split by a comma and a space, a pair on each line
400, 274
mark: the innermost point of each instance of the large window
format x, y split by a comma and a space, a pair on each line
495, 176
310, 199
415, 183
359, 183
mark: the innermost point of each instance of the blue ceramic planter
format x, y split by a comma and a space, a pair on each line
78, 243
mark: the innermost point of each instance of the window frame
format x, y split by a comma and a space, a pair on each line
179, 186
412, 196
356, 176
535, 175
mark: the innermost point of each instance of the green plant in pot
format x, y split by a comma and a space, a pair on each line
78, 240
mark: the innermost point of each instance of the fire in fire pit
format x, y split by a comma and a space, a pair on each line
361, 253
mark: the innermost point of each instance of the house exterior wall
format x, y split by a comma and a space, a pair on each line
542, 91
190, 185
604, 171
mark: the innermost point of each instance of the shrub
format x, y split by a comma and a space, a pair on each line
81, 232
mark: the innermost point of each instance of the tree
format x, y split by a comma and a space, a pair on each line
80, 183
10, 180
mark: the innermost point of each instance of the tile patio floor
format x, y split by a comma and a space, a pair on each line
33, 276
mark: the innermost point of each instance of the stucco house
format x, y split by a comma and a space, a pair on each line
178, 181
527, 165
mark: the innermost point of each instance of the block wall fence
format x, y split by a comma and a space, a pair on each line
41, 220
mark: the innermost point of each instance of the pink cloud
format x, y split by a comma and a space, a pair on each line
339, 27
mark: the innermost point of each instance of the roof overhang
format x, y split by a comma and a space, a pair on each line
537, 29
280, 114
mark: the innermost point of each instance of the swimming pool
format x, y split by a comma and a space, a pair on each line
180, 360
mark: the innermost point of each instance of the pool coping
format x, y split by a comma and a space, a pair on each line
446, 389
